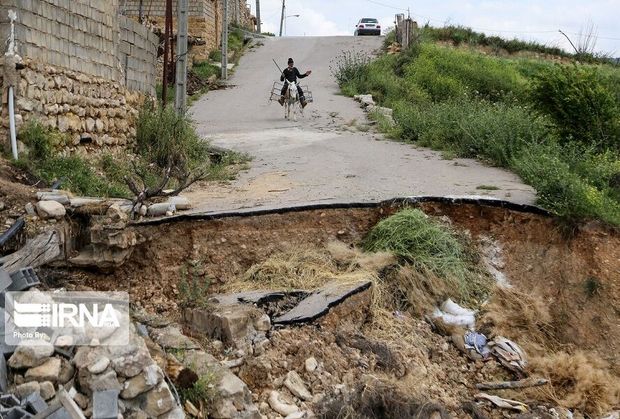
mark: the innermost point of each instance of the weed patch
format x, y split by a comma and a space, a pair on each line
430, 246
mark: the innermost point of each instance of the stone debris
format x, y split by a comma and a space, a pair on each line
58, 196
280, 406
50, 209
30, 354
296, 386
181, 203
311, 364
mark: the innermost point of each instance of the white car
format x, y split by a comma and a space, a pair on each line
367, 26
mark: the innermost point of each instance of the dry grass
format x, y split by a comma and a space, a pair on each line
524, 318
578, 381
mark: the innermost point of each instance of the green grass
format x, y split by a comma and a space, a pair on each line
557, 126
201, 392
163, 139
431, 246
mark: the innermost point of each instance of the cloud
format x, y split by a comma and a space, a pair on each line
525, 19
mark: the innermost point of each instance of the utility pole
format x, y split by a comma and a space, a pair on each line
225, 40
282, 17
167, 36
180, 102
258, 16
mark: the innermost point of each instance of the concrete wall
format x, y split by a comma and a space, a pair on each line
205, 19
137, 53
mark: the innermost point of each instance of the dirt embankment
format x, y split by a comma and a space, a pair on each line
562, 306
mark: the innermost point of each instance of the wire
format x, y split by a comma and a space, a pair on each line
386, 5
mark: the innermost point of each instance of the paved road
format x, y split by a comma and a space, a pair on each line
328, 155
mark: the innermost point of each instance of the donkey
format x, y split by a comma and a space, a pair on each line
291, 101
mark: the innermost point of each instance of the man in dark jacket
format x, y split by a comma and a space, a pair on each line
291, 74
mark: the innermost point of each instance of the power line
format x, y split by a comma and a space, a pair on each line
386, 5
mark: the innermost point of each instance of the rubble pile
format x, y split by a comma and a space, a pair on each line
62, 380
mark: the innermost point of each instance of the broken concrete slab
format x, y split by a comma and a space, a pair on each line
254, 297
16, 412
5, 280
35, 404
23, 279
4, 374
230, 324
321, 301
105, 404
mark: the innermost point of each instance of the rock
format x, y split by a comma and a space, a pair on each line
99, 366
180, 202
81, 400
25, 389
64, 341
263, 323
2, 206
296, 386
311, 364
30, 354
48, 371
158, 401
59, 197
50, 209
47, 390
297, 415
279, 406
191, 409
159, 210
66, 372
171, 337
30, 210
132, 364
90, 383
149, 378
176, 413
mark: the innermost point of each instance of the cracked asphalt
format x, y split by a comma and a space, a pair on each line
330, 154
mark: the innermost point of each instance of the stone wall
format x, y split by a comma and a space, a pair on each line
92, 111
205, 20
87, 68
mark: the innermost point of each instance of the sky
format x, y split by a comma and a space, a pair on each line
524, 19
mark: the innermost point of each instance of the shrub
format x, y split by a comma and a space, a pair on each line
41, 141
349, 66
581, 103
169, 140
492, 131
447, 73
430, 246
194, 287
562, 189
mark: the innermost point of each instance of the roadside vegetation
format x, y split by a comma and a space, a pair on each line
165, 145
556, 125
203, 75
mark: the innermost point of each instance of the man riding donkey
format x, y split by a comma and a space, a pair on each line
291, 74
